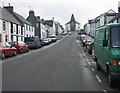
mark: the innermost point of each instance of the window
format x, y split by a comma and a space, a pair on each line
6, 38
115, 34
4, 26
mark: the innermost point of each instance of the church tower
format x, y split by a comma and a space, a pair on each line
72, 25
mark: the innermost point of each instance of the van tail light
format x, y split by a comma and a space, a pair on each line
114, 62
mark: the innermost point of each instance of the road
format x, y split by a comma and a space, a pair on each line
62, 66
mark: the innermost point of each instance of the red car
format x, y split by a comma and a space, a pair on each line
20, 46
7, 50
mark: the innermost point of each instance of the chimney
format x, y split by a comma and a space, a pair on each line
31, 13
119, 7
9, 8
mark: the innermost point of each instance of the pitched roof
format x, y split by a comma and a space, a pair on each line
115, 18
22, 18
6, 15
49, 23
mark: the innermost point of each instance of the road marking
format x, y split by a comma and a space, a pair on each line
93, 62
99, 80
11, 58
77, 41
87, 59
89, 63
105, 91
19, 56
93, 69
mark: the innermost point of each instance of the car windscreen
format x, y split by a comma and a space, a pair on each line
115, 36
29, 39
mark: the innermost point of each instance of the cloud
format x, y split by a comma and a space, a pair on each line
62, 9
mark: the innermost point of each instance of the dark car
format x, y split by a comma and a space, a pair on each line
7, 50
20, 46
33, 42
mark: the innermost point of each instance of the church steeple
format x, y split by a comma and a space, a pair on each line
72, 18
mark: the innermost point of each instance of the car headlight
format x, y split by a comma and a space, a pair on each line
119, 62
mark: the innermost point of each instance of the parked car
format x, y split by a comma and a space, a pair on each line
69, 33
90, 46
20, 46
49, 39
107, 51
45, 41
54, 39
83, 39
64, 33
33, 42
7, 50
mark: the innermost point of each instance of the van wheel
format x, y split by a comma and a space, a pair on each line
111, 80
98, 67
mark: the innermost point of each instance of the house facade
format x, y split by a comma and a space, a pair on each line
9, 26
52, 28
116, 19
19, 32
100, 21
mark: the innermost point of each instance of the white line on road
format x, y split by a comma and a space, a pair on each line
105, 91
99, 80
93, 69
11, 58
77, 41
89, 63
87, 59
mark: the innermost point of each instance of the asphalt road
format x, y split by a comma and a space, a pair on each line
62, 66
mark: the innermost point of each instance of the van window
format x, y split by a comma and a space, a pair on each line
101, 36
115, 35
28, 39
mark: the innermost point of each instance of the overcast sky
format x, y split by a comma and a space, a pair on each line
62, 10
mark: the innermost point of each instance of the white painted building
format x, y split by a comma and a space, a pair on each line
87, 28
101, 21
19, 32
52, 28
44, 30
8, 26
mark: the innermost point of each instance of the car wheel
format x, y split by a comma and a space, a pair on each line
21, 51
97, 65
14, 53
3, 55
111, 80
27, 50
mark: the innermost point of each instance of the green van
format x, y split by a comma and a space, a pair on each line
107, 51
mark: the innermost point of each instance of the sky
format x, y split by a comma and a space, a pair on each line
62, 10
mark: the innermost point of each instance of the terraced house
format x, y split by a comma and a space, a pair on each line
21, 30
8, 26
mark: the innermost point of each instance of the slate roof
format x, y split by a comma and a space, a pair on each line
18, 17
22, 18
115, 18
49, 23
6, 15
